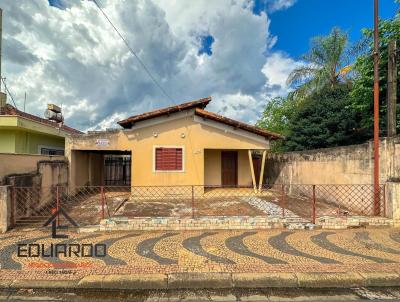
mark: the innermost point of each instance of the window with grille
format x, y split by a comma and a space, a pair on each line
168, 159
49, 151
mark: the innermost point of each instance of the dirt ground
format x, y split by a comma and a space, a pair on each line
226, 206
88, 208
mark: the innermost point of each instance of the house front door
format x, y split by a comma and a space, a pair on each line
229, 171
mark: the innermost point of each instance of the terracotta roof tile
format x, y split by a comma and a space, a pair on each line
130, 121
10, 110
240, 125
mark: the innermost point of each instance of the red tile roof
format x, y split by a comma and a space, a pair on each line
240, 125
199, 106
10, 110
130, 121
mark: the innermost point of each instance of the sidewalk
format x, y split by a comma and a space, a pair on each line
219, 259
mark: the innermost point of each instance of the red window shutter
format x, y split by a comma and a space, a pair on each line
169, 159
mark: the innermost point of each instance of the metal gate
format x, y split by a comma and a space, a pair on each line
117, 170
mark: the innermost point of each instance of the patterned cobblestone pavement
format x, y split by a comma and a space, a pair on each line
360, 250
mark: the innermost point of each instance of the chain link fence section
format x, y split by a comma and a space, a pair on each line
88, 205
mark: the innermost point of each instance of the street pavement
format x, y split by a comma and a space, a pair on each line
234, 251
243, 295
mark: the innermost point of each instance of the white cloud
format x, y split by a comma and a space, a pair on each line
237, 106
74, 58
281, 4
109, 122
276, 70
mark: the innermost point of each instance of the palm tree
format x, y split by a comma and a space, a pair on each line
325, 64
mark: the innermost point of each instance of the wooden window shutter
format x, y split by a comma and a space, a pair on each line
169, 159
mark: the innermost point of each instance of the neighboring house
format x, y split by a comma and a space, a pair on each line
25, 133
178, 145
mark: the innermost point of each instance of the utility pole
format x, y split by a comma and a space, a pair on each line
392, 89
1, 38
3, 96
376, 112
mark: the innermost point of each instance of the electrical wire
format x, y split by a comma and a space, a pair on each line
8, 92
146, 69
134, 53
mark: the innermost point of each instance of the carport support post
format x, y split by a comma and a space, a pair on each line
260, 183
102, 201
253, 176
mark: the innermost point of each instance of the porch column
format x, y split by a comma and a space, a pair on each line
253, 176
260, 183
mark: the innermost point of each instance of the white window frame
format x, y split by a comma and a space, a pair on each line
169, 171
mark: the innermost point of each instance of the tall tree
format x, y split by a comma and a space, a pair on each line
326, 64
325, 119
363, 81
277, 116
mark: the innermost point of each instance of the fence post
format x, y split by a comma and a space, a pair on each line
14, 207
102, 202
384, 200
283, 200
192, 202
58, 204
313, 205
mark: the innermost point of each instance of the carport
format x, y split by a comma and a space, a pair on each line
100, 168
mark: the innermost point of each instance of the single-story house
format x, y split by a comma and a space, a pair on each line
25, 133
173, 146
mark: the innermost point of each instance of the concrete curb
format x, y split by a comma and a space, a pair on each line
264, 280
142, 281
330, 280
214, 281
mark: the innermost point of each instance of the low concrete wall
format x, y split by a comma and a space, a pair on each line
231, 223
393, 201
40, 172
341, 165
5, 209
33, 170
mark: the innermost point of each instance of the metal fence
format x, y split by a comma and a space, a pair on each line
303, 203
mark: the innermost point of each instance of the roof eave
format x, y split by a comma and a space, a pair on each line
128, 122
240, 125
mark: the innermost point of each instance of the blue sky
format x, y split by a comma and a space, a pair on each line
307, 18
296, 25
208, 48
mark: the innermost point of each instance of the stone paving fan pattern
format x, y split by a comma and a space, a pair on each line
365, 250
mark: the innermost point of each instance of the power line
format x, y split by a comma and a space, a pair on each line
144, 67
8, 91
134, 54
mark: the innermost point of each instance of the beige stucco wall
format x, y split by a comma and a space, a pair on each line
244, 172
79, 168
212, 167
342, 165
23, 163
184, 132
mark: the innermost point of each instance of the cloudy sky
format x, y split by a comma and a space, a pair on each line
65, 52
